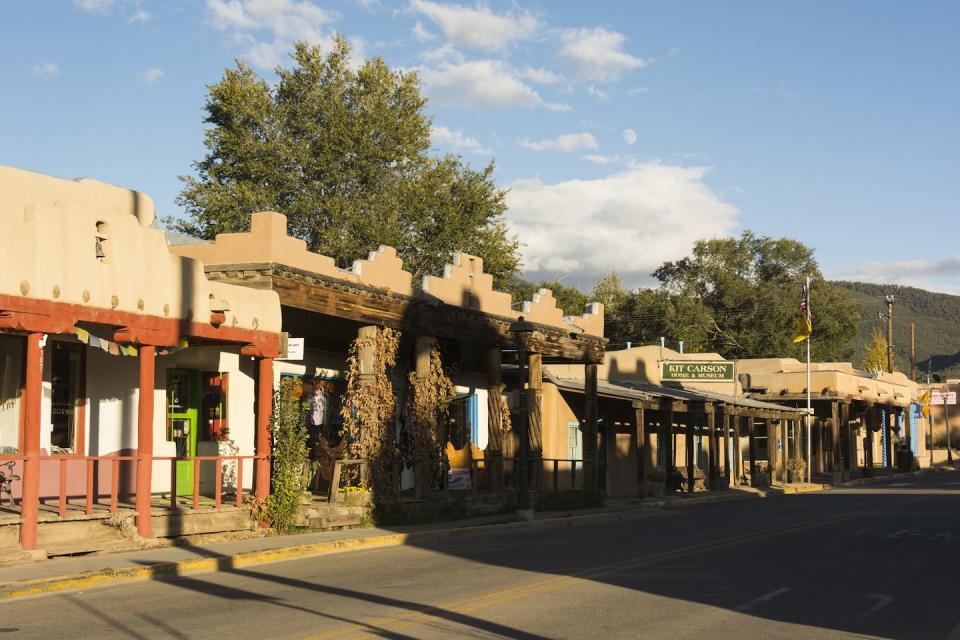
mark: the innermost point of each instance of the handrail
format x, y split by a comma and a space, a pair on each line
93, 465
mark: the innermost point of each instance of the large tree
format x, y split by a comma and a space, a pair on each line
739, 297
344, 153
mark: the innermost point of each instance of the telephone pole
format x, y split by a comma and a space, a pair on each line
889, 299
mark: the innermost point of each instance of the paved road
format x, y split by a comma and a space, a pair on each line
875, 561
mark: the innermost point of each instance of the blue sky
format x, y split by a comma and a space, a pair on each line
624, 130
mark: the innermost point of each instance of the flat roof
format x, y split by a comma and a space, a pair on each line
630, 390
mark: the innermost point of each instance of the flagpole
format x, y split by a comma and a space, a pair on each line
809, 312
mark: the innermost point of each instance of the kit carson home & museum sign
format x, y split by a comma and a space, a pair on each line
696, 371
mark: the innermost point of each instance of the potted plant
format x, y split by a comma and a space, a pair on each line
355, 496
795, 469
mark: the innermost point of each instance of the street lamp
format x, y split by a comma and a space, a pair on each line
521, 330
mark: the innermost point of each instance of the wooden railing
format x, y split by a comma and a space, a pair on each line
94, 464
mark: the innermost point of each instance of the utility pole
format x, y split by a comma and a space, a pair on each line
889, 299
913, 352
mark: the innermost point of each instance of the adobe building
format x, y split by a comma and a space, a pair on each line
875, 411
697, 428
459, 311
120, 364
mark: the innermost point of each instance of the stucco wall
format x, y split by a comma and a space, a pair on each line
48, 252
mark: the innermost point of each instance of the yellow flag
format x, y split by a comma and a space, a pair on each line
805, 324
924, 402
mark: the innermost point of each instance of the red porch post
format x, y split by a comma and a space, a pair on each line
264, 407
33, 391
145, 438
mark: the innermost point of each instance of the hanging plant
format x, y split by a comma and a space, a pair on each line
368, 408
430, 397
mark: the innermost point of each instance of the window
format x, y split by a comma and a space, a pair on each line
11, 383
102, 237
67, 379
574, 440
459, 422
214, 407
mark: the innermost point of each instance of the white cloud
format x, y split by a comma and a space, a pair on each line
480, 83
629, 136
46, 70
597, 92
140, 15
152, 75
479, 27
935, 275
95, 6
629, 222
638, 91
567, 143
421, 33
444, 137
597, 54
597, 158
540, 76
270, 27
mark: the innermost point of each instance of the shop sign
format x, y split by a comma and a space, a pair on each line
942, 397
696, 370
294, 350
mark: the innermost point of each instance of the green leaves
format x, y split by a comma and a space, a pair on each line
343, 153
736, 296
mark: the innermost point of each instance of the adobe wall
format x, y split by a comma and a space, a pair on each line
463, 282
48, 251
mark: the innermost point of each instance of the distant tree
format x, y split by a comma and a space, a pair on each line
739, 297
571, 299
875, 356
344, 153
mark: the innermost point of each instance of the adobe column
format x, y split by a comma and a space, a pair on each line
33, 391
264, 407
145, 438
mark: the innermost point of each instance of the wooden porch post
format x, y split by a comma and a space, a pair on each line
33, 392
737, 423
688, 441
727, 461
535, 419
837, 414
590, 427
773, 452
264, 409
753, 451
643, 450
147, 361
494, 453
713, 456
668, 452
888, 435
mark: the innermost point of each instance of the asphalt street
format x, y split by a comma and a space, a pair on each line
873, 561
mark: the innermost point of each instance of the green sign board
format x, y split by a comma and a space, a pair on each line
696, 370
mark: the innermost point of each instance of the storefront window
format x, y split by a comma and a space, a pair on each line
214, 407
11, 383
67, 382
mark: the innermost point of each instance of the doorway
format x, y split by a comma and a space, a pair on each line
183, 409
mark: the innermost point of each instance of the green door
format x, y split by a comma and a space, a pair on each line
183, 408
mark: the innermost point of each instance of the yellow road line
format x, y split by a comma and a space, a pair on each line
493, 597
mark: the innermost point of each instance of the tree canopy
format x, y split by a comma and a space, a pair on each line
736, 296
875, 353
344, 153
